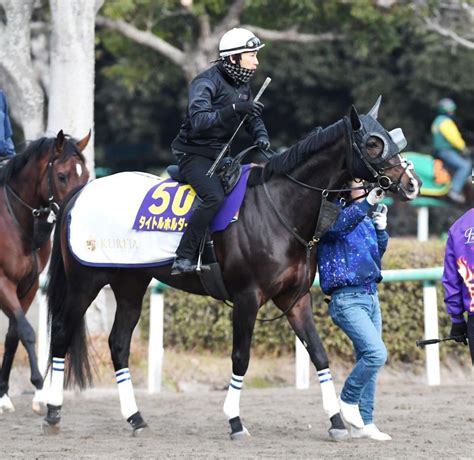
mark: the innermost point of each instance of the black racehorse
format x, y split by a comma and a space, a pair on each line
269, 253
32, 185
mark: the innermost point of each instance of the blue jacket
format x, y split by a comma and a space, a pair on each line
350, 253
6, 143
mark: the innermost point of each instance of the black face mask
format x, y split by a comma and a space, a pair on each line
237, 73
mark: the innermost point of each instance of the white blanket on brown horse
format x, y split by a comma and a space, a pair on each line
137, 219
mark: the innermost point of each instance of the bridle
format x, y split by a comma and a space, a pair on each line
50, 210
331, 210
52, 207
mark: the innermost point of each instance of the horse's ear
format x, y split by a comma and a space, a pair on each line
60, 141
374, 111
355, 120
81, 145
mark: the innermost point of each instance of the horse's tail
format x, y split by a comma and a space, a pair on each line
77, 367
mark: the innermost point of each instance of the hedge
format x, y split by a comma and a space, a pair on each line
198, 323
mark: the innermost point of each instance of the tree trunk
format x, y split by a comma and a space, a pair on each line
17, 77
71, 102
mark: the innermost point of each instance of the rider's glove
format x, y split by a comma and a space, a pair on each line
459, 330
376, 195
379, 217
263, 143
243, 108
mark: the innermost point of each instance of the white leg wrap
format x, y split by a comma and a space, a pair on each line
232, 400
57, 383
5, 404
128, 406
330, 403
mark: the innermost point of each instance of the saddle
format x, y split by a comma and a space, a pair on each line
212, 279
229, 172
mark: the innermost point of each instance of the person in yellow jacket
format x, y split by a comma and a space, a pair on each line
450, 148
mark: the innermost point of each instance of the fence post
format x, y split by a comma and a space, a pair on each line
301, 365
430, 307
423, 223
155, 340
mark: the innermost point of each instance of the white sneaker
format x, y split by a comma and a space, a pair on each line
350, 413
370, 431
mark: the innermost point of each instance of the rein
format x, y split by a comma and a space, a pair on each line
51, 209
328, 211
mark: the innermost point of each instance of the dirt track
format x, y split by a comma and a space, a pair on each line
425, 422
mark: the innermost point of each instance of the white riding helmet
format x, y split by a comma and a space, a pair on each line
237, 41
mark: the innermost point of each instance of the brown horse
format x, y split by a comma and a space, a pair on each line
269, 253
32, 185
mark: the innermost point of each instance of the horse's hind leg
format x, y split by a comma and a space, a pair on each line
302, 322
129, 295
68, 335
243, 322
11, 345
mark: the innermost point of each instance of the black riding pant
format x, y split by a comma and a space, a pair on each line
470, 335
194, 168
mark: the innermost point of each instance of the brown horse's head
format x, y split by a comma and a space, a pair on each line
377, 158
66, 168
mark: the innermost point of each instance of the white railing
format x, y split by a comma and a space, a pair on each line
302, 367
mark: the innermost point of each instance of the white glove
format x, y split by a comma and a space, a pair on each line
379, 217
376, 195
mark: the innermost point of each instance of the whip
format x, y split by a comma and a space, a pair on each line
212, 169
422, 343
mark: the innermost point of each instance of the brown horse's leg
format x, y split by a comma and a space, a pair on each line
14, 310
302, 322
129, 293
243, 322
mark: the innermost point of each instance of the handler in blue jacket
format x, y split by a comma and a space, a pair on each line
349, 260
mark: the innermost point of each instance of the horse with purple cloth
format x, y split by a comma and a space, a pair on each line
266, 253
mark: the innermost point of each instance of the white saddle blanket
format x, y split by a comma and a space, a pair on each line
107, 229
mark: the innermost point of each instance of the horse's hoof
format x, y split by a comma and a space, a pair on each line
337, 435
240, 435
142, 432
6, 405
50, 429
39, 407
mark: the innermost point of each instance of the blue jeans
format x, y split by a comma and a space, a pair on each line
358, 315
458, 166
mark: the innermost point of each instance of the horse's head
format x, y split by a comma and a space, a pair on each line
66, 169
376, 155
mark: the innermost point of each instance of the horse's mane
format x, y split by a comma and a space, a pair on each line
35, 151
298, 153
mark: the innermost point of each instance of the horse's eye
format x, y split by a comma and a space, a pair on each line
62, 178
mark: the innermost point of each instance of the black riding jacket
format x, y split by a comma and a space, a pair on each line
210, 118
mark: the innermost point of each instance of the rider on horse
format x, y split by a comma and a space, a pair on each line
7, 148
450, 148
218, 99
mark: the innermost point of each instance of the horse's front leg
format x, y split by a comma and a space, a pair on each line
24, 332
302, 322
40, 398
243, 322
11, 345
129, 295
